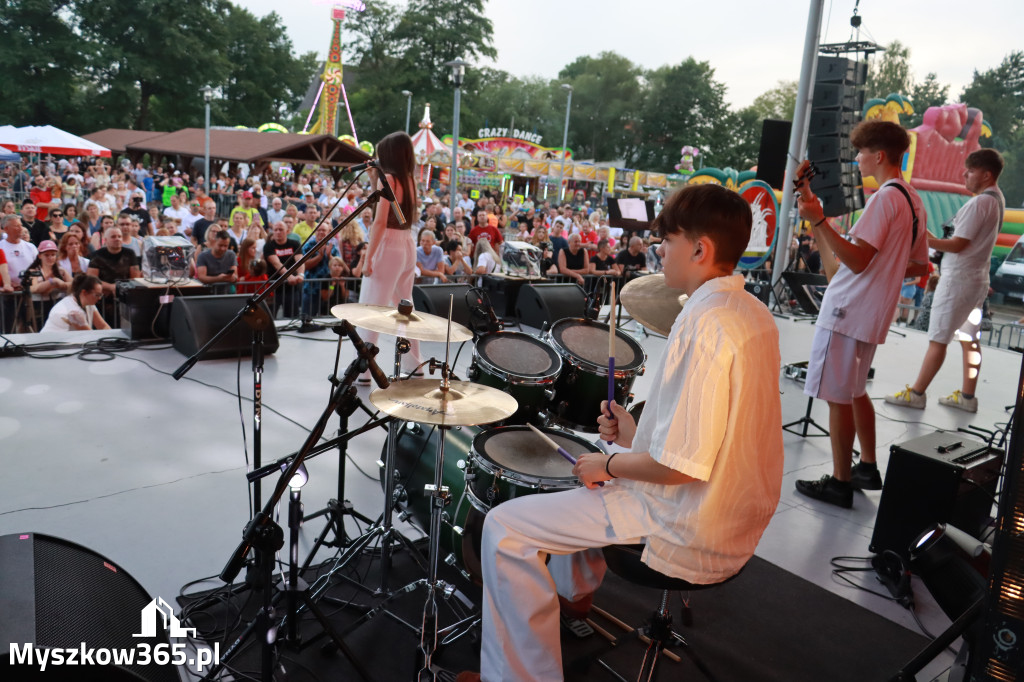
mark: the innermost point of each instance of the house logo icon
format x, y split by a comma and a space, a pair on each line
156, 611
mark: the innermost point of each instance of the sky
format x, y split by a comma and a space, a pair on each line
750, 44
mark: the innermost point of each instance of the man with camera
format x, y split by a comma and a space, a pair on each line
963, 286
20, 254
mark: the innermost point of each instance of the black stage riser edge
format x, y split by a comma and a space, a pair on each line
57, 594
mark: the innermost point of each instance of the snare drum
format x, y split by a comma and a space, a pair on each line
583, 383
482, 469
519, 364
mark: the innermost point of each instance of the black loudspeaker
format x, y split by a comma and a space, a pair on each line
146, 310
939, 478
433, 299
59, 596
196, 319
836, 103
771, 156
538, 304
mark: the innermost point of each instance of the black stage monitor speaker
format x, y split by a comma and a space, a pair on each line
771, 157
939, 478
540, 303
196, 319
55, 594
760, 290
433, 299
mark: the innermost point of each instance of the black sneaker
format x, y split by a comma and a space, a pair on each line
827, 489
863, 479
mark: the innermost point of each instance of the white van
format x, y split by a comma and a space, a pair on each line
1009, 277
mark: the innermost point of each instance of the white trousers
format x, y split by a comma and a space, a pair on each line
394, 267
520, 603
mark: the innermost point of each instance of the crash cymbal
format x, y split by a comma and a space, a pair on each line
463, 404
651, 303
415, 325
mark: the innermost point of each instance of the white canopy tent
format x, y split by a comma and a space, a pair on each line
48, 140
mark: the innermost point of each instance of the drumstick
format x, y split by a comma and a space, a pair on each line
611, 355
557, 448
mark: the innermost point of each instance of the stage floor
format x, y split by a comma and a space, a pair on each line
119, 457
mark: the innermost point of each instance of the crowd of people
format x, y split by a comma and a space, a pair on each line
93, 217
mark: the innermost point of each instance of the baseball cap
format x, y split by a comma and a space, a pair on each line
247, 195
47, 245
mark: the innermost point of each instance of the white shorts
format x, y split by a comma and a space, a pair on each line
838, 368
956, 310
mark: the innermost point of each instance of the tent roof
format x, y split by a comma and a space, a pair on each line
245, 146
48, 140
117, 139
426, 142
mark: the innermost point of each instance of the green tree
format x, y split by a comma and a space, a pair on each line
778, 103
890, 73
999, 94
606, 90
150, 58
40, 66
927, 93
683, 105
264, 81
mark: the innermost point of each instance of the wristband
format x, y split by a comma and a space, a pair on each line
608, 462
823, 220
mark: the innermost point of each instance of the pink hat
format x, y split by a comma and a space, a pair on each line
247, 195
47, 245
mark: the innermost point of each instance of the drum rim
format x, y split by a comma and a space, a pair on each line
511, 377
576, 361
492, 467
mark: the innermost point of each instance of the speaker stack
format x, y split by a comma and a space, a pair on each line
835, 109
538, 304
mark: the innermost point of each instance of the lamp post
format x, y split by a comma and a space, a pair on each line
408, 109
565, 139
207, 96
458, 68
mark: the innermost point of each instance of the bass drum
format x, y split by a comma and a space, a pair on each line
583, 383
522, 366
482, 469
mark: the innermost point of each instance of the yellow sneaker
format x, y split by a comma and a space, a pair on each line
907, 398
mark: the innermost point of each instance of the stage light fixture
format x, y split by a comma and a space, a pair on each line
939, 560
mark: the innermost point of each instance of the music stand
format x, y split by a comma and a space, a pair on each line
805, 289
796, 371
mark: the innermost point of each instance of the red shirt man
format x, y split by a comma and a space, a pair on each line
483, 226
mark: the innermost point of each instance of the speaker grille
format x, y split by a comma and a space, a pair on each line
81, 598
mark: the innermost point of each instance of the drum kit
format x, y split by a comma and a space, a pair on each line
526, 397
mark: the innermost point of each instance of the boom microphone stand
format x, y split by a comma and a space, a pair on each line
259, 320
264, 536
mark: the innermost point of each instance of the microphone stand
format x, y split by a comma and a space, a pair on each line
260, 320
265, 537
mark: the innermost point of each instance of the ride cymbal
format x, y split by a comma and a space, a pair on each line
651, 303
415, 325
463, 404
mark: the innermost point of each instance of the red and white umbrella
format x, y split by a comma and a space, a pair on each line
48, 140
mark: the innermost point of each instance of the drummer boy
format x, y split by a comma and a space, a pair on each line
696, 480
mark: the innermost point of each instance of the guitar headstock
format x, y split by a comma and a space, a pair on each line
802, 184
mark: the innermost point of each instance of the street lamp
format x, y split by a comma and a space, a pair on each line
458, 73
207, 96
565, 140
408, 109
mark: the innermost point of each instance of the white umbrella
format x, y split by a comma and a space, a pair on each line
48, 140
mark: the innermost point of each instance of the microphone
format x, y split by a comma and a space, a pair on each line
372, 163
389, 195
368, 352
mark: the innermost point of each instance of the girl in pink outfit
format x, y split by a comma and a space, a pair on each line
390, 260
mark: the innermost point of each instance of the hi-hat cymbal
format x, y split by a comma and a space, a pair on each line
416, 325
463, 404
651, 303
